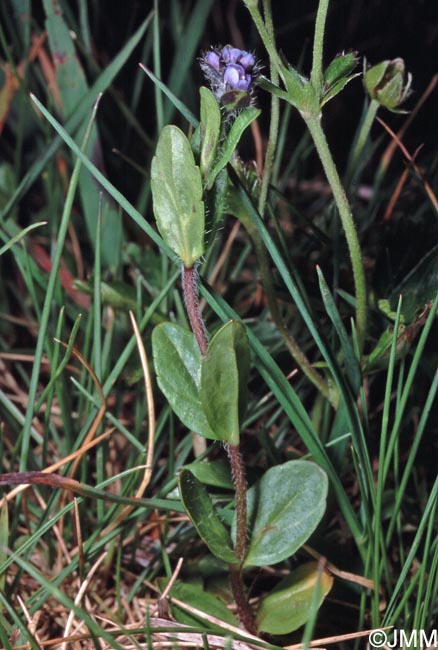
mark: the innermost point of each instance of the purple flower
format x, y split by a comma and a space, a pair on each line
230, 72
247, 60
235, 77
213, 60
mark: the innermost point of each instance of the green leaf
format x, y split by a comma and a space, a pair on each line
351, 361
337, 87
224, 376
242, 121
176, 186
210, 129
267, 85
216, 473
289, 605
195, 596
177, 361
204, 517
284, 508
298, 87
338, 74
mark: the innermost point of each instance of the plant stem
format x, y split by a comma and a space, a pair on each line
264, 35
360, 142
274, 121
243, 609
239, 479
190, 290
236, 578
318, 45
313, 123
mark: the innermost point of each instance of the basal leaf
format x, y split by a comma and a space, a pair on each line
199, 507
289, 604
216, 473
284, 508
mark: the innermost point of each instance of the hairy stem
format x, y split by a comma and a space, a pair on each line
245, 614
265, 35
318, 45
236, 579
190, 289
313, 123
274, 121
239, 479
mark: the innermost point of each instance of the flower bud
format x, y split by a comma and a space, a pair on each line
388, 83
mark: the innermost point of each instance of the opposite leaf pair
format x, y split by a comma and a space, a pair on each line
207, 393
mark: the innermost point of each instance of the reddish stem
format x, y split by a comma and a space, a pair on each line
190, 289
236, 579
239, 479
243, 609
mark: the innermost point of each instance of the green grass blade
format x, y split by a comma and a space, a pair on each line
350, 359
45, 315
407, 567
179, 105
20, 236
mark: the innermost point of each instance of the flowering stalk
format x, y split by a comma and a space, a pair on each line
313, 123
316, 77
274, 121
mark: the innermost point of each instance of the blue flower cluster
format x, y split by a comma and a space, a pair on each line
230, 72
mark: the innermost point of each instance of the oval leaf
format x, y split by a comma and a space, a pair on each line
284, 508
216, 473
224, 377
177, 195
341, 67
289, 605
177, 361
199, 507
